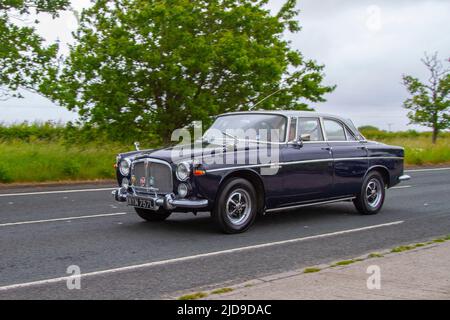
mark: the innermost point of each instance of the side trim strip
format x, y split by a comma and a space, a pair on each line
310, 204
278, 164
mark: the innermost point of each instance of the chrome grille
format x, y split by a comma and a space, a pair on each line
152, 175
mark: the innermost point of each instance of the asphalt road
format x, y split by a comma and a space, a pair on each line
44, 231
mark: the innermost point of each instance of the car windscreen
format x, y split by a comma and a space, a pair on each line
262, 127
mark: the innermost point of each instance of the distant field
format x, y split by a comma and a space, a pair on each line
40, 153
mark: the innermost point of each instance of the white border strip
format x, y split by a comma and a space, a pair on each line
51, 192
62, 219
188, 258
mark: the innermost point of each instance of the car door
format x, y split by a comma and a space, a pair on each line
307, 168
349, 158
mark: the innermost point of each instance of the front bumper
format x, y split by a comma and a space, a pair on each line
167, 201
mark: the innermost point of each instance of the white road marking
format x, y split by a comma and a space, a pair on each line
62, 219
426, 170
197, 256
52, 192
401, 187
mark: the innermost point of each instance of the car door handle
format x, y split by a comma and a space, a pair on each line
327, 148
362, 148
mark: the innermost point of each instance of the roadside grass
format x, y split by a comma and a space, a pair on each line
375, 255
193, 296
311, 270
420, 151
345, 262
221, 290
41, 161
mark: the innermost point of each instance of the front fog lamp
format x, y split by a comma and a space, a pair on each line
125, 183
183, 171
182, 190
124, 167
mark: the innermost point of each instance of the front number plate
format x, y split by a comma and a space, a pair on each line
141, 203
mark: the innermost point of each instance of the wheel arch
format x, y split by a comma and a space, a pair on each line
384, 171
254, 178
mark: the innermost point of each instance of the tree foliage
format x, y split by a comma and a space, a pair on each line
23, 57
151, 66
429, 103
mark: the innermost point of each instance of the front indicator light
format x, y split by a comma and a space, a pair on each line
199, 172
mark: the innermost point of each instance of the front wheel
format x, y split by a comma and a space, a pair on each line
371, 198
236, 207
153, 216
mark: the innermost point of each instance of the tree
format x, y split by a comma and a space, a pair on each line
148, 66
23, 56
429, 102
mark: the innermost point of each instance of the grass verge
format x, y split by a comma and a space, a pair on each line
41, 160
193, 296
51, 161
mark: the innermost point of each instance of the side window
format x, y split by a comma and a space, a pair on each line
311, 127
334, 130
293, 130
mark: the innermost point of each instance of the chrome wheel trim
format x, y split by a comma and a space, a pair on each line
374, 193
238, 207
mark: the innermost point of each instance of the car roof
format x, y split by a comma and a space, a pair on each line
293, 113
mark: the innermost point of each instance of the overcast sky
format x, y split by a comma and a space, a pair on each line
366, 46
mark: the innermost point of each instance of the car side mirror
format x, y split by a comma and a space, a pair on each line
136, 145
301, 139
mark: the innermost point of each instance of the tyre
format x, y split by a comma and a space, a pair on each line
153, 216
371, 198
236, 208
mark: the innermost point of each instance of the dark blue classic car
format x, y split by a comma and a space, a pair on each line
290, 159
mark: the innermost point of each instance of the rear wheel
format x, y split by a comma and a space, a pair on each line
151, 215
371, 198
236, 207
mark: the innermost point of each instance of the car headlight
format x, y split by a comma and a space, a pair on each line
183, 190
124, 167
183, 171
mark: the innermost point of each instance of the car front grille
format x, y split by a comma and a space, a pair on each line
152, 176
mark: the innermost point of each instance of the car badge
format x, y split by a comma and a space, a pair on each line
151, 181
142, 182
133, 180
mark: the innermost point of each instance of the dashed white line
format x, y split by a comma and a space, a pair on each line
62, 219
401, 187
197, 256
52, 192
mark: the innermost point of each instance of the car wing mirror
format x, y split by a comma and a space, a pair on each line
302, 138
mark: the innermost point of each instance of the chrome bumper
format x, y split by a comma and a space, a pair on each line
168, 201
404, 178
